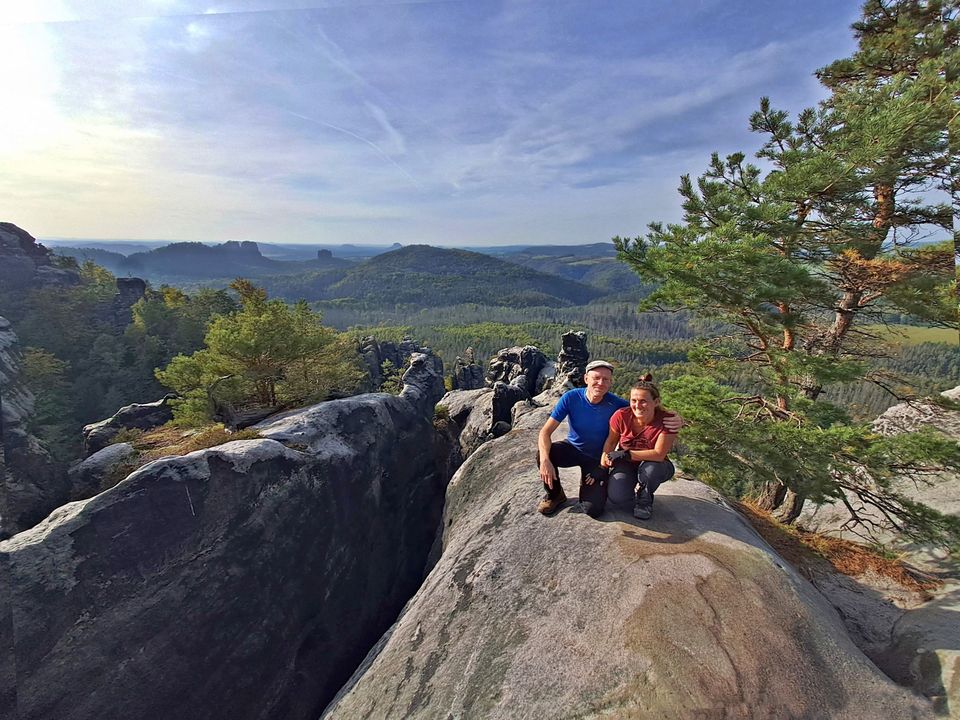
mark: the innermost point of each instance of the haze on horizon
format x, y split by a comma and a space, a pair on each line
449, 122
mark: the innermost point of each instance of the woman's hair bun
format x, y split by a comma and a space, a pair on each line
646, 377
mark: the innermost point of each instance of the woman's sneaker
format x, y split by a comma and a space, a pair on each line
641, 512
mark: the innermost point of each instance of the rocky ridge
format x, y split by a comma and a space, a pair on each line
31, 482
242, 581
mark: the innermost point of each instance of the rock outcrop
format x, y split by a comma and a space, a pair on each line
136, 416
25, 263
467, 373
688, 615
922, 644
374, 354
573, 358
482, 414
518, 366
99, 471
243, 581
32, 483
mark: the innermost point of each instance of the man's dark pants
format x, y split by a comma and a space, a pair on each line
563, 454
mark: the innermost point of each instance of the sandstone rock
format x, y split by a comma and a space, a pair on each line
32, 483
688, 615
517, 366
942, 493
242, 581
139, 416
88, 477
573, 358
25, 263
374, 354
482, 414
467, 374
924, 652
922, 645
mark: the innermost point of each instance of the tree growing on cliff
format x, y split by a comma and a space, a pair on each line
794, 260
266, 354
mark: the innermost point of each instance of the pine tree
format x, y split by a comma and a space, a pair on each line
792, 261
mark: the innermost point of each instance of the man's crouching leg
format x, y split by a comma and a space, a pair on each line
554, 497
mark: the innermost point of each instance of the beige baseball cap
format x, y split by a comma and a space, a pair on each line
599, 364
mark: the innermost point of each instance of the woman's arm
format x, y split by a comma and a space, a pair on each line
613, 437
660, 450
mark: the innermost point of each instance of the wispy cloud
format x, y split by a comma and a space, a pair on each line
427, 121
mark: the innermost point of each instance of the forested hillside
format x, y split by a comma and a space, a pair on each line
421, 276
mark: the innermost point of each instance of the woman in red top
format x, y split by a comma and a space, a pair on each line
643, 446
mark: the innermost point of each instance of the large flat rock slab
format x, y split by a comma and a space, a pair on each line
688, 615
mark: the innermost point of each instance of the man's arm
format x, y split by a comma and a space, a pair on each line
548, 472
672, 421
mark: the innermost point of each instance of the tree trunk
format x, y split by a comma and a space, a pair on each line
780, 501
772, 495
789, 510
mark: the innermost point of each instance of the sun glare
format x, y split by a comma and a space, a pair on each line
28, 82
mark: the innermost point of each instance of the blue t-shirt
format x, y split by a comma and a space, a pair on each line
589, 423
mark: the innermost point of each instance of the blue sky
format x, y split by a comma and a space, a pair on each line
450, 123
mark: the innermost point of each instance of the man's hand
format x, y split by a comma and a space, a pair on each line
672, 421
548, 473
605, 460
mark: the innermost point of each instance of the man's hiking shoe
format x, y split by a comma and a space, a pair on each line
641, 512
585, 507
549, 505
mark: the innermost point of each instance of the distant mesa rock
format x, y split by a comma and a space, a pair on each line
518, 366
31, 482
573, 358
244, 581
688, 615
324, 255
25, 263
244, 247
467, 373
138, 416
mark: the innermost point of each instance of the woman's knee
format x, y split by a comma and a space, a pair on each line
652, 474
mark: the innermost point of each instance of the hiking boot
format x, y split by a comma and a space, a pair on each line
642, 511
548, 505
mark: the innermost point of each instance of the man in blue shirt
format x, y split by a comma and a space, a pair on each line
587, 411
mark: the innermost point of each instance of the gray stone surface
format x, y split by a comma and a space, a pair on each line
482, 414
89, 476
31, 482
689, 615
573, 358
375, 353
467, 374
919, 646
517, 366
136, 416
25, 263
242, 581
